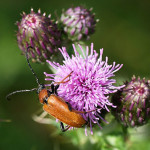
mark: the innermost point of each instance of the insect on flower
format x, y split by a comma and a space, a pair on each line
55, 105
90, 83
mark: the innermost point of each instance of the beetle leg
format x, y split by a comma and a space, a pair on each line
62, 81
84, 112
87, 122
63, 129
53, 88
69, 106
76, 111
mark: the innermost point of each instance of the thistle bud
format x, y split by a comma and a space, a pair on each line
41, 33
133, 102
79, 23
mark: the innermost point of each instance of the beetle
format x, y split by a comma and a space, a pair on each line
55, 105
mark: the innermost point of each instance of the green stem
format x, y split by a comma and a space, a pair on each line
125, 133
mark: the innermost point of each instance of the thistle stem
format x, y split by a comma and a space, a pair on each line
125, 133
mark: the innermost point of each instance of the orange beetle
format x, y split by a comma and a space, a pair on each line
55, 105
58, 108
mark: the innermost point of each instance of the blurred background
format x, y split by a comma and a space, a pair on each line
124, 33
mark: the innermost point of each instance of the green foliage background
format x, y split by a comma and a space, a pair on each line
123, 32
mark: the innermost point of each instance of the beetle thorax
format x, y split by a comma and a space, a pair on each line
43, 94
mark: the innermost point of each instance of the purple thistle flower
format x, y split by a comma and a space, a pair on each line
133, 103
90, 83
79, 23
40, 32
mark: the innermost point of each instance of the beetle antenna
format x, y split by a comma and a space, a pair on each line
27, 58
37, 80
20, 91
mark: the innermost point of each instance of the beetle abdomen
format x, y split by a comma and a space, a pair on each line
59, 109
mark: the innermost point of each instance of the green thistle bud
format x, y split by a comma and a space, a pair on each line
41, 33
133, 103
79, 23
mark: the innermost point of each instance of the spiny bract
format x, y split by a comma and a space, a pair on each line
79, 23
41, 33
133, 102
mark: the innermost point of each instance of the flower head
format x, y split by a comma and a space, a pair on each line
133, 102
41, 33
79, 23
90, 83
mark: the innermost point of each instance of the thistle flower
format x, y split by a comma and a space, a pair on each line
40, 32
79, 23
90, 83
133, 102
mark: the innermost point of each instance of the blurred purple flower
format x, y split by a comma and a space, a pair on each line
79, 23
90, 83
